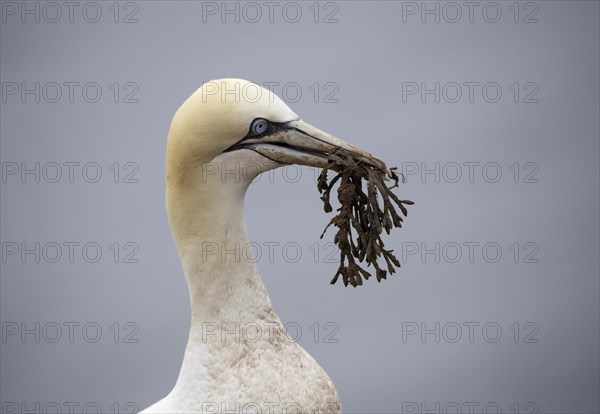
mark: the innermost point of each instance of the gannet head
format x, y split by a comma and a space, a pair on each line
236, 120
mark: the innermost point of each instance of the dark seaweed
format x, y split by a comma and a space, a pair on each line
360, 219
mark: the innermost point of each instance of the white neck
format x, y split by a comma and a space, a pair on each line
212, 241
206, 214
225, 366
226, 291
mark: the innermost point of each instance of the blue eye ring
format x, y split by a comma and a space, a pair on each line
259, 126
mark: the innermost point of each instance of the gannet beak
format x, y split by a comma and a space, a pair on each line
298, 142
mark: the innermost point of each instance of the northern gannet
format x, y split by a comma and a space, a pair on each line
239, 357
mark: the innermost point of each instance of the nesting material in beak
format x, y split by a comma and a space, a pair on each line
360, 211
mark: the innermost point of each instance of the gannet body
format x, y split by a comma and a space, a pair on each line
239, 357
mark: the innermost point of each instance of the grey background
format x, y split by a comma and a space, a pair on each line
368, 54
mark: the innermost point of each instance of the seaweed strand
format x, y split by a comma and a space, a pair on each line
361, 213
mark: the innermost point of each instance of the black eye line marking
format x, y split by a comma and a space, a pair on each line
273, 128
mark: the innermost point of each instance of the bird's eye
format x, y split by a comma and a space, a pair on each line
259, 126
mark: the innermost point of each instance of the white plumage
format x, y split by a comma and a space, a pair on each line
239, 357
